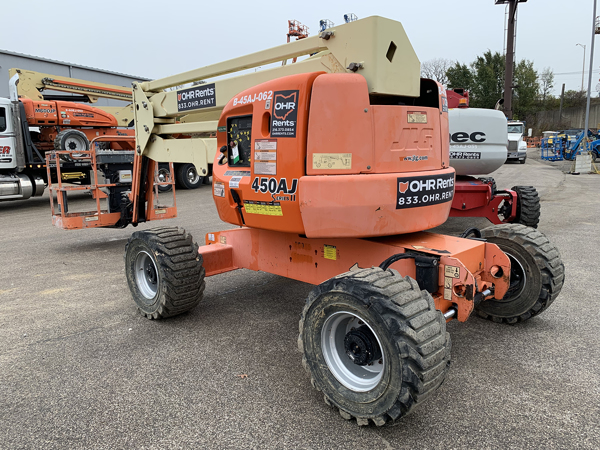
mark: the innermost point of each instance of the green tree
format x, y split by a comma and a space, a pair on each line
484, 78
527, 89
459, 77
574, 99
488, 77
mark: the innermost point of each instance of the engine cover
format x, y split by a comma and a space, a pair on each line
310, 154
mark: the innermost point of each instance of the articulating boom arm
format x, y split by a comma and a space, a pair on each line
375, 47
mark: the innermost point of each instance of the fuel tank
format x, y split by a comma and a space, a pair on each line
315, 154
478, 140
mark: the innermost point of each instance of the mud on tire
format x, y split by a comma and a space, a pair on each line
414, 345
537, 273
164, 271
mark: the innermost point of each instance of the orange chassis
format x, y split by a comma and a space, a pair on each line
466, 267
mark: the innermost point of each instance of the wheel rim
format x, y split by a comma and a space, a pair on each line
518, 279
75, 142
146, 275
192, 175
358, 378
163, 175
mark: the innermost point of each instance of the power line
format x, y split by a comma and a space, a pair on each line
576, 73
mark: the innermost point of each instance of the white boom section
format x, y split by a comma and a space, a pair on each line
375, 47
32, 85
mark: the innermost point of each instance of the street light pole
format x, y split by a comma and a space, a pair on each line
587, 106
583, 70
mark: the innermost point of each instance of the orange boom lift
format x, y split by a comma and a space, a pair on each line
330, 178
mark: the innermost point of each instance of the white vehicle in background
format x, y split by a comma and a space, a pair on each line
478, 146
478, 140
517, 147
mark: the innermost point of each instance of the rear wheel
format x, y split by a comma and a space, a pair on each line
187, 176
528, 206
73, 140
374, 344
536, 275
164, 271
164, 173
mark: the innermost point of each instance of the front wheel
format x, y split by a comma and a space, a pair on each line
537, 273
164, 271
187, 177
374, 344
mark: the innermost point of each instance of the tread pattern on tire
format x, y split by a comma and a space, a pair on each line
547, 258
421, 338
182, 284
528, 206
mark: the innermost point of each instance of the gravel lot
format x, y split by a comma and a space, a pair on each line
80, 368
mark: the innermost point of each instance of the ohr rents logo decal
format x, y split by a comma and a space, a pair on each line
285, 114
424, 191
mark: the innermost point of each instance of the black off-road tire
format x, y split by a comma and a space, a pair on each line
528, 206
537, 274
412, 333
183, 178
167, 259
78, 140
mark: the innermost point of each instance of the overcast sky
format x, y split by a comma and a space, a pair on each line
153, 39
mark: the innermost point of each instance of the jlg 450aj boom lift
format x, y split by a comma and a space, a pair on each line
325, 177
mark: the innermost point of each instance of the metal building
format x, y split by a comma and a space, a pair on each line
18, 60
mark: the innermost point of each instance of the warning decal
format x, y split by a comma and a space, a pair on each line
417, 117
263, 208
452, 271
219, 189
332, 161
330, 252
265, 157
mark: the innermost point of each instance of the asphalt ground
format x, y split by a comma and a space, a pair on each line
81, 369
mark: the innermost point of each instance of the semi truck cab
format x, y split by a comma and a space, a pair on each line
517, 147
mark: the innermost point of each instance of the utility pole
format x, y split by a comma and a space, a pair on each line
510, 53
595, 31
562, 98
582, 70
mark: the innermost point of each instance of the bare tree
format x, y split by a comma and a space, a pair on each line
436, 69
546, 82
